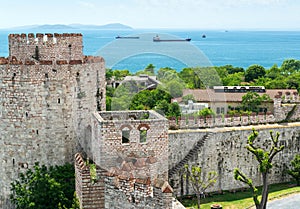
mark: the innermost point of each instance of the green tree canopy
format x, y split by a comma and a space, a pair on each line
294, 171
167, 74
234, 79
188, 97
206, 112
43, 188
175, 88
290, 65
252, 100
190, 78
253, 72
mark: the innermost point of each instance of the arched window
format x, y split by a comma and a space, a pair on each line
143, 135
125, 135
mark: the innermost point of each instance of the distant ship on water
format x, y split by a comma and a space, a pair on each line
127, 37
158, 39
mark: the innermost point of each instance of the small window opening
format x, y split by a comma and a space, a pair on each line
143, 136
125, 136
26, 114
46, 75
54, 70
13, 161
37, 132
58, 100
77, 74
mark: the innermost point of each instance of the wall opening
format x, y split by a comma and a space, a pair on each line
143, 135
125, 136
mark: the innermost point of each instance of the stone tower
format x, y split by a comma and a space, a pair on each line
130, 150
48, 92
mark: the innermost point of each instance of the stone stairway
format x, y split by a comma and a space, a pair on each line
190, 154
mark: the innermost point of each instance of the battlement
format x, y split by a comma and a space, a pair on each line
32, 38
66, 46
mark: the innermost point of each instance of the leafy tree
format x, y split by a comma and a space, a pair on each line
222, 72
290, 65
162, 107
206, 112
188, 97
150, 68
190, 78
273, 72
232, 70
120, 74
209, 77
175, 88
295, 170
167, 74
254, 72
264, 158
109, 74
252, 100
234, 79
293, 81
199, 184
43, 188
122, 97
174, 109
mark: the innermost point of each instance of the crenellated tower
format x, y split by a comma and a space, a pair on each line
67, 46
48, 92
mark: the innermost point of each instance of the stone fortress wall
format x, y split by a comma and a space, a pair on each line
287, 109
223, 149
46, 104
49, 95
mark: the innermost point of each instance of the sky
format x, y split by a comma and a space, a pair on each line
154, 14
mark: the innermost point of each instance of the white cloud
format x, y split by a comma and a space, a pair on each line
86, 4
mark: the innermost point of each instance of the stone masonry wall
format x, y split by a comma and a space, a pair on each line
45, 110
67, 46
160, 199
140, 159
89, 191
225, 150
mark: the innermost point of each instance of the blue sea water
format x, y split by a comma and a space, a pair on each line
237, 48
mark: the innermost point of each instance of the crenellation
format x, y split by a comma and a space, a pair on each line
46, 46
41, 117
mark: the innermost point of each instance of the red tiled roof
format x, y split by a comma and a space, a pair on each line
209, 95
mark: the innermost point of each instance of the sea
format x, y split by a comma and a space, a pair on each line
206, 48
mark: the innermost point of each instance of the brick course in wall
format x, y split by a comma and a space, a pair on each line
45, 104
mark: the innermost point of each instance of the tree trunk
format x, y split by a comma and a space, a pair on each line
265, 192
198, 200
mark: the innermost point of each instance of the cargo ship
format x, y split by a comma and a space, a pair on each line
127, 37
158, 39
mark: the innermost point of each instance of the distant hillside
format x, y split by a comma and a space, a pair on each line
57, 26
112, 26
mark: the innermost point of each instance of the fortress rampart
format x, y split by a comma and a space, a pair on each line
52, 99
223, 149
46, 46
46, 104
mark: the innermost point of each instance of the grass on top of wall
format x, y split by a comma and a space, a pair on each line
240, 199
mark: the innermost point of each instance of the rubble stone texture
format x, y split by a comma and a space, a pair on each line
45, 103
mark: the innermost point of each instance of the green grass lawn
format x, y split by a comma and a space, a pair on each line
241, 199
